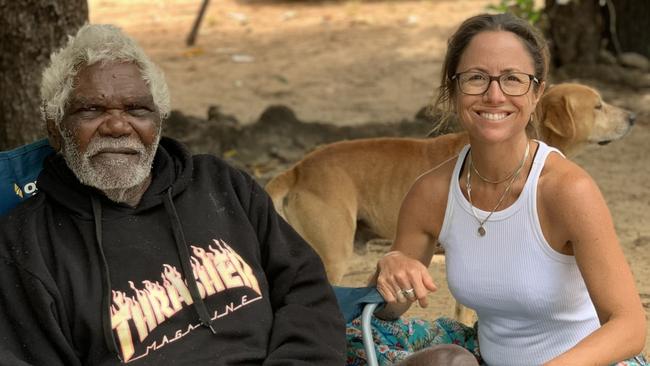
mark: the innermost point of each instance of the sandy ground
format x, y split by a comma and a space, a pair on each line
352, 62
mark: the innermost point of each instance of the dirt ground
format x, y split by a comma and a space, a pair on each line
350, 63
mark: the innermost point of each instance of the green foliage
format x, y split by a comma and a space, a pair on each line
522, 8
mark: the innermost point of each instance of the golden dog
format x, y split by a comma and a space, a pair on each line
330, 190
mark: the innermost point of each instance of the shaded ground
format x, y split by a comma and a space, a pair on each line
347, 63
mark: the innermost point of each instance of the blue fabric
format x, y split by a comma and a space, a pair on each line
352, 300
19, 169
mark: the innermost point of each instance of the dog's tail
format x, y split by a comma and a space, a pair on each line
279, 187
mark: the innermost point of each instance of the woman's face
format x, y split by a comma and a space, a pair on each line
495, 116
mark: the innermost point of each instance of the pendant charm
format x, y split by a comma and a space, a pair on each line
481, 231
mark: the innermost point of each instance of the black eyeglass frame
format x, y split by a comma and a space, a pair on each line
491, 78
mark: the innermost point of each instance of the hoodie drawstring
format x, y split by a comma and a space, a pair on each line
106, 280
184, 254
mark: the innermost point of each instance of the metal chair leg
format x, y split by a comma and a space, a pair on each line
366, 330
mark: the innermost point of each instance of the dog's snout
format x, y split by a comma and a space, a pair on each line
632, 118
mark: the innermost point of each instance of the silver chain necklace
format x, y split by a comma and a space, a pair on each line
486, 180
468, 186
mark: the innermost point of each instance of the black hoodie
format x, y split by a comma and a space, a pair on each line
202, 272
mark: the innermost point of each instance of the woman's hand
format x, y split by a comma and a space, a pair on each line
403, 279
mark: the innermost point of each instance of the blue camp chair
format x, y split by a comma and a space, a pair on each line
361, 301
19, 169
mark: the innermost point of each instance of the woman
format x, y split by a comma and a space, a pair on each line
529, 240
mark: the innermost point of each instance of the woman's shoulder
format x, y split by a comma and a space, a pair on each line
428, 195
424, 206
437, 179
563, 181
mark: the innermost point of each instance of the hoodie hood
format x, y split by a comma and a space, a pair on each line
172, 168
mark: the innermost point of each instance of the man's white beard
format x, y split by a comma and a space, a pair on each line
114, 174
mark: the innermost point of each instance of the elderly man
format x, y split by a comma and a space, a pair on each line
136, 251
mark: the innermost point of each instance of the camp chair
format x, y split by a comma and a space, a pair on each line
361, 301
19, 169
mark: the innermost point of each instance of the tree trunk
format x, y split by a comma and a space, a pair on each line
575, 31
29, 31
632, 21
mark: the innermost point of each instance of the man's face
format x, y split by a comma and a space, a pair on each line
111, 127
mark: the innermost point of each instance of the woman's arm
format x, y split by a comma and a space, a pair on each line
406, 265
577, 208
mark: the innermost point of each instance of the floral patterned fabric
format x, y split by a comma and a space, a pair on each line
400, 338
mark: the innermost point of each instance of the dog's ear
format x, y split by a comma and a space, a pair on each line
557, 115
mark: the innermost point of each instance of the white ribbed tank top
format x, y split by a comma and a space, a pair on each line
531, 301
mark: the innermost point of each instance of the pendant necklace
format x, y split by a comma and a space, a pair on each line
468, 185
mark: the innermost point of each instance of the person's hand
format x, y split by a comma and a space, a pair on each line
403, 279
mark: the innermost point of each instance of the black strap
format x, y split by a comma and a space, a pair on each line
184, 254
106, 280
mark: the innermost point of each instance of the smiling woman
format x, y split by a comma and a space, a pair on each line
501, 54
529, 240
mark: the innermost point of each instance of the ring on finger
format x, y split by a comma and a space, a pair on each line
409, 292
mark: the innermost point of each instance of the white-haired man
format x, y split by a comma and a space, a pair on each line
136, 251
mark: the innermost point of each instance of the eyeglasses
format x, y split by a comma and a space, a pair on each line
511, 83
